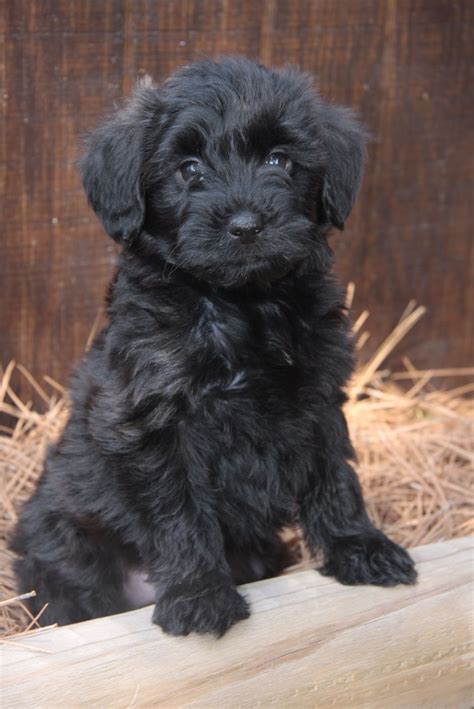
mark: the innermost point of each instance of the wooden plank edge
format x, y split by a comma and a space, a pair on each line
309, 642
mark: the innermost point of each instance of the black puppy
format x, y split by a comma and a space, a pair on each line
207, 414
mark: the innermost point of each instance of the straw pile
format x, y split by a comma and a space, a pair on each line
414, 442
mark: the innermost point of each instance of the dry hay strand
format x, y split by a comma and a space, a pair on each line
23, 446
414, 445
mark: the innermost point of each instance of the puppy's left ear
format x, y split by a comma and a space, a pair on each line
111, 168
344, 142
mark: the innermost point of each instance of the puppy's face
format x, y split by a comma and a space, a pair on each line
231, 172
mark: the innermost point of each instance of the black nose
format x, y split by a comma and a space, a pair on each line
246, 226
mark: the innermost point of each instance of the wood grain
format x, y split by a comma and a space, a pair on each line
404, 64
310, 642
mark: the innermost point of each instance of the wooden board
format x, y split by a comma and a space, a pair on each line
405, 64
310, 642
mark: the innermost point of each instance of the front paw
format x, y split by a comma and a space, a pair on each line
200, 610
370, 558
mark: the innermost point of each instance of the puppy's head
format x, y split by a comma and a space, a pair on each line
230, 171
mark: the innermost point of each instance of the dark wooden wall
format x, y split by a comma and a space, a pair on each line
405, 64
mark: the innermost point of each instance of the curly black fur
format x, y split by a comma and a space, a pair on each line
207, 414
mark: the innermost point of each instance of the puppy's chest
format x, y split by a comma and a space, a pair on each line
246, 354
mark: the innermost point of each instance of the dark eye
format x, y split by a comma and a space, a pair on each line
191, 169
278, 159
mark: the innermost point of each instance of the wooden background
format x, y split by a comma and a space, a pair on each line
405, 64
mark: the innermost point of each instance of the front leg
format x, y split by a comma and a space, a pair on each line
207, 603
187, 565
334, 518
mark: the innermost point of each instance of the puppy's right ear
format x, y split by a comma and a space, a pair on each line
111, 168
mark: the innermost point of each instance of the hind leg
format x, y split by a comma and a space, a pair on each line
78, 574
63, 606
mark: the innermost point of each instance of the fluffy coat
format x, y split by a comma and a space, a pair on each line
207, 414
